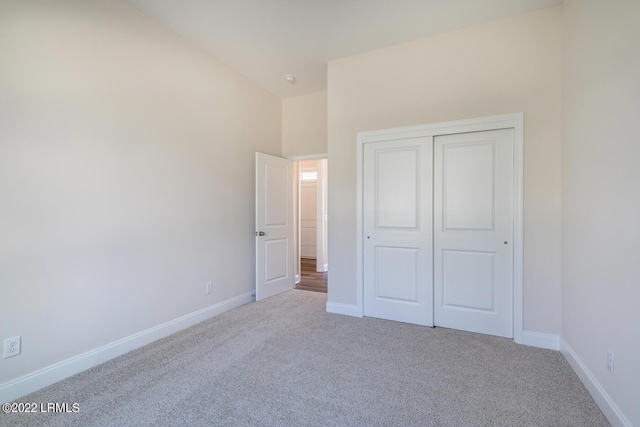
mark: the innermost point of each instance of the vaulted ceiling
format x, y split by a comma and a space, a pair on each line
268, 39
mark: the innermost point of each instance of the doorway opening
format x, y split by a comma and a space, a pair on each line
311, 214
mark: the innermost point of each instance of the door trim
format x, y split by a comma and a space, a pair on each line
507, 121
321, 217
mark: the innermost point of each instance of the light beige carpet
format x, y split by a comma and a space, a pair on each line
286, 362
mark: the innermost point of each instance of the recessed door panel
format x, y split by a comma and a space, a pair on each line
468, 280
397, 185
396, 277
276, 193
276, 259
468, 186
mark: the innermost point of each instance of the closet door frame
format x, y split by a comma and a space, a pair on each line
508, 121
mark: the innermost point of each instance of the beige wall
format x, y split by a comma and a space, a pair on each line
601, 195
126, 177
507, 66
304, 125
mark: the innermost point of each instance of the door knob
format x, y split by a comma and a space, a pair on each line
260, 233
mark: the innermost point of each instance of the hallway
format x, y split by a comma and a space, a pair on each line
310, 279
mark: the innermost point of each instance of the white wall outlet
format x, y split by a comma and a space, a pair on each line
208, 288
610, 361
11, 347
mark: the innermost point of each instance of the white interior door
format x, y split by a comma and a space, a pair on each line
308, 220
397, 245
473, 231
274, 225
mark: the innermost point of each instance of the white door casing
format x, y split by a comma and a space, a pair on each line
473, 232
321, 216
274, 226
397, 230
514, 122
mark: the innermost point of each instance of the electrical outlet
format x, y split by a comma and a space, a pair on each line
610, 361
208, 288
11, 347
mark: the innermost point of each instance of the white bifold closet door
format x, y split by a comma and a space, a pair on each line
473, 232
438, 231
398, 240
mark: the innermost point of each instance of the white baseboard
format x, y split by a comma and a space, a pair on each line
599, 395
538, 339
51, 374
297, 279
323, 268
346, 309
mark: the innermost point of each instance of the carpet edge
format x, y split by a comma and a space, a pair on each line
51, 374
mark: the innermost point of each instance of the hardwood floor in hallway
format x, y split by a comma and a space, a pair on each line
310, 279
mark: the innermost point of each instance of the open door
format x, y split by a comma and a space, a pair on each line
274, 225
